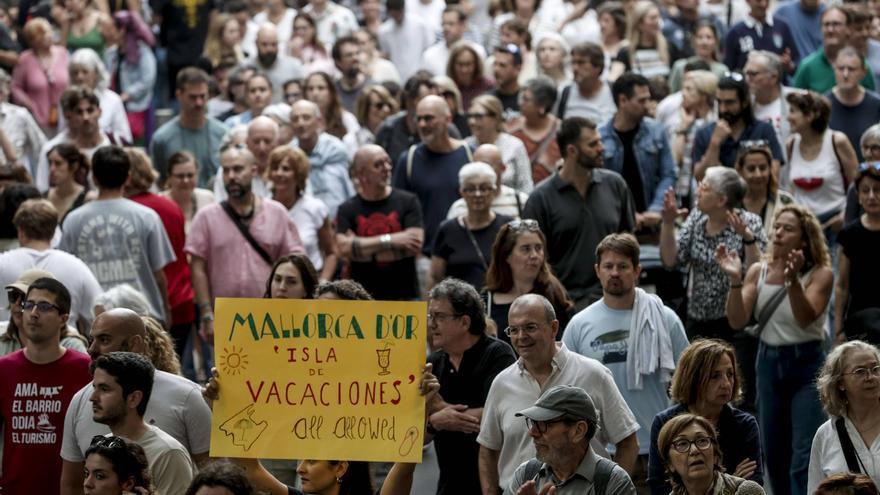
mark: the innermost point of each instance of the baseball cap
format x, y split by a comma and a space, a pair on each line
28, 277
562, 400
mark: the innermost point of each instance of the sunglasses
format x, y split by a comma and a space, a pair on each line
751, 144
526, 224
866, 166
14, 295
110, 442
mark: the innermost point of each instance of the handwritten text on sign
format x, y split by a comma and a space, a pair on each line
333, 380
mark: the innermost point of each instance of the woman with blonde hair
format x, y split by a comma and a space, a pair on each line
465, 68
697, 109
160, 349
647, 51
487, 127
373, 106
849, 386
787, 293
289, 172
223, 44
706, 383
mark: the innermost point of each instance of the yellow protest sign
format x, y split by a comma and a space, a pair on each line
335, 380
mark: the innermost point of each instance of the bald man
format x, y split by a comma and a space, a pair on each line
508, 201
178, 408
262, 136
328, 178
278, 66
379, 231
430, 169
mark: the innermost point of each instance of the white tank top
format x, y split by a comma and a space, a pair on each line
782, 328
817, 183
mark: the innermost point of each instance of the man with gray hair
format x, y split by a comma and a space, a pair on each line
508, 201
233, 243
566, 460
430, 169
764, 75
20, 127
543, 363
328, 178
262, 134
466, 364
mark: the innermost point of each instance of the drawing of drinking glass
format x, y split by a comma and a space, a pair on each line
384, 356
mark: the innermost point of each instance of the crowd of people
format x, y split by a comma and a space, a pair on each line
644, 231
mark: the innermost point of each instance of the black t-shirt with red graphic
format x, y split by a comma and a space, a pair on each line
385, 281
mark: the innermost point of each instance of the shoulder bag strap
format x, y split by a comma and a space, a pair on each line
474, 243
551, 135
603, 474
768, 310
246, 233
563, 101
839, 162
849, 450
518, 203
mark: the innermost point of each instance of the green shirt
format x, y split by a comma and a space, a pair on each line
815, 73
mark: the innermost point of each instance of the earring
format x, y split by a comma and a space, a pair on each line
338, 480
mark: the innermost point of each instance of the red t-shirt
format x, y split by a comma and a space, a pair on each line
33, 402
180, 291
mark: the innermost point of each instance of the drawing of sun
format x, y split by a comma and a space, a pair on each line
233, 362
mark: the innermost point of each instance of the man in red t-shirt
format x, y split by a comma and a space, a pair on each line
38, 383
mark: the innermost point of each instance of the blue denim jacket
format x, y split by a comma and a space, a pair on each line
653, 155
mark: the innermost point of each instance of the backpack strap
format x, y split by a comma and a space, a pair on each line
604, 468
409, 162
533, 467
467, 151
563, 101
846, 445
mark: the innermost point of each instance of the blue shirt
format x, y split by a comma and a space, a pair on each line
737, 437
602, 333
434, 179
328, 177
748, 35
729, 148
805, 27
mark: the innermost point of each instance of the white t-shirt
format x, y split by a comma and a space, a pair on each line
775, 113
826, 456
67, 268
170, 464
602, 333
284, 28
599, 108
405, 43
514, 389
176, 406
309, 215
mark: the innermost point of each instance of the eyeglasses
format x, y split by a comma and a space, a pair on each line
683, 445
440, 317
527, 224
478, 115
865, 166
751, 144
864, 373
530, 329
469, 190
754, 73
381, 105
13, 295
447, 94
542, 426
110, 442
42, 306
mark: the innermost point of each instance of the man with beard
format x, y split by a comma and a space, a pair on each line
636, 147
233, 243
621, 329
181, 412
561, 423
122, 386
38, 380
578, 206
352, 80
379, 231
278, 67
718, 142
544, 364
191, 130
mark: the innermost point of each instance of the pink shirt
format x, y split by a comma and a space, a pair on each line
29, 80
234, 267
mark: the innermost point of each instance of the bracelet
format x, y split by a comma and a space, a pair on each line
385, 239
749, 243
208, 317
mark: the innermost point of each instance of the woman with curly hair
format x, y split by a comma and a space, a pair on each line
115, 466
849, 386
795, 277
519, 266
320, 90
160, 348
